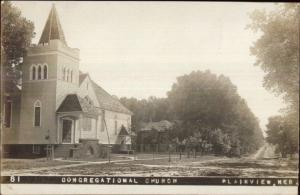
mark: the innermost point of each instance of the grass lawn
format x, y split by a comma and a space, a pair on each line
207, 166
18, 164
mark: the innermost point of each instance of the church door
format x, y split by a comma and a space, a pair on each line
67, 131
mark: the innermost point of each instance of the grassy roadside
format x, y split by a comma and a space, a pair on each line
20, 164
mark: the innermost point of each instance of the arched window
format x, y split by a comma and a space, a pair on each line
33, 73
128, 123
64, 74
45, 71
37, 113
39, 72
68, 75
71, 75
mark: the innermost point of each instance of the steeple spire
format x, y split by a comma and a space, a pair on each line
52, 29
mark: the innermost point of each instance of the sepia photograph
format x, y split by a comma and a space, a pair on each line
150, 93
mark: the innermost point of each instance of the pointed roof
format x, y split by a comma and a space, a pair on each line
159, 126
52, 29
123, 131
105, 100
73, 103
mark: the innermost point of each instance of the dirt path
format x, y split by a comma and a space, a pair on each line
266, 151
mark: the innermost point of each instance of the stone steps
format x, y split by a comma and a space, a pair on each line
64, 150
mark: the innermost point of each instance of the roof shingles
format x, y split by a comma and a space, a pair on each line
159, 126
52, 29
108, 102
73, 103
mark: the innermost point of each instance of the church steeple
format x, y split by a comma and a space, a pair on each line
52, 29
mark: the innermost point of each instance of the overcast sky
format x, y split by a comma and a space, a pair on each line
137, 49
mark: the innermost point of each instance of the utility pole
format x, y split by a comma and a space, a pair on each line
109, 147
169, 145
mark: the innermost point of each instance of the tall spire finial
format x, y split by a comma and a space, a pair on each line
52, 29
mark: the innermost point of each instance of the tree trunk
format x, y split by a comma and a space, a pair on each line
180, 153
283, 154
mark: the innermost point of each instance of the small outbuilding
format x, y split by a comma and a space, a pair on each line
154, 136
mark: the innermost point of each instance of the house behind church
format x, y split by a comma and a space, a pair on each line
154, 136
58, 104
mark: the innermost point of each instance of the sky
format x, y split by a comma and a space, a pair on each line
138, 49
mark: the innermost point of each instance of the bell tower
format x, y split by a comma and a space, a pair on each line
50, 72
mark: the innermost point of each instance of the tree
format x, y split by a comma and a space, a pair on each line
210, 105
277, 50
16, 35
152, 109
280, 134
204, 97
277, 53
198, 104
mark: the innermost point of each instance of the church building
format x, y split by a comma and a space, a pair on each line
59, 105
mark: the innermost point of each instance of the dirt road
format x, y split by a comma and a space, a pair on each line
267, 151
264, 163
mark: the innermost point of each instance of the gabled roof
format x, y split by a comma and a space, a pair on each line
52, 29
108, 102
123, 131
73, 103
159, 126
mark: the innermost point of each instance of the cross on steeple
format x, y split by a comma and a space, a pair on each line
52, 29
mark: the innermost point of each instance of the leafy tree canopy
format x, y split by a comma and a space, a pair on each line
277, 53
281, 133
277, 49
206, 110
16, 35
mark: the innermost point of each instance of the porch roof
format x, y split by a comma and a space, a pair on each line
74, 103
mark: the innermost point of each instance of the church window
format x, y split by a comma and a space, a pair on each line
128, 123
103, 123
33, 73
39, 72
67, 75
37, 113
87, 86
45, 71
7, 113
116, 125
71, 75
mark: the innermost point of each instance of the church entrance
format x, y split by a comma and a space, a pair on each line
67, 131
